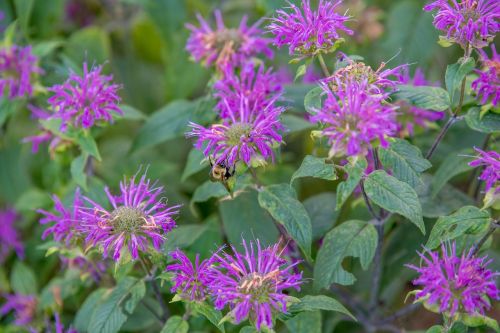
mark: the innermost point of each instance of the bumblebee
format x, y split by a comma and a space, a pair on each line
219, 172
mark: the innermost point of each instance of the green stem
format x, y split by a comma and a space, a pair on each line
156, 290
324, 68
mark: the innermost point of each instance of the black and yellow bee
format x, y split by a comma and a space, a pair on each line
219, 172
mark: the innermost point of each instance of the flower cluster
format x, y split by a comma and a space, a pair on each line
138, 217
487, 85
24, 307
250, 119
18, 69
456, 283
354, 118
490, 161
9, 236
252, 283
307, 31
226, 46
467, 22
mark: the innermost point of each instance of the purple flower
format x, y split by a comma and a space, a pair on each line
410, 115
467, 22
60, 327
95, 269
9, 236
308, 31
253, 283
190, 281
490, 162
224, 46
286, 77
250, 120
82, 101
487, 85
139, 216
355, 119
18, 69
65, 221
24, 307
456, 284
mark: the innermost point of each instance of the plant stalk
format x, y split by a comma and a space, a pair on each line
324, 68
156, 290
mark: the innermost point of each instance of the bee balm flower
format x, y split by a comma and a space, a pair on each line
9, 236
18, 67
487, 85
24, 307
490, 161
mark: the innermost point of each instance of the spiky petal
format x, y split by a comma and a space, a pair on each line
487, 85
490, 174
23, 306
18, 69
9, 236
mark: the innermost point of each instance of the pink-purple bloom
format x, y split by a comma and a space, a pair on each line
9, 236
490, 162
94, 269
467, 22
190, 280
487, 85
18, 70
82, 101
253, 283
65, 221
23, 306
139, 216
454, 283
224, 46
250, 119
354, 119
307, 31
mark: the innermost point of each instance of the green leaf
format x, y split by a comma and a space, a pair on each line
281, 202
249, 329
45, 48
424, 97
321, 210
305, 322
195, 162
23, 280
114, 310
453, 165
24, 9
405, 161
129, 112
8, 108
209, 190
435, 329
78, 170
31, 200
467, 220
88, 145
488, 123
183, 236
395, 196
456, 73
294, 124
91, 45
355, 170
175, 324
315, 167
312, 101
301, 70
86, 310
243, 218
210, 313
479, 320
350, 239
320, 302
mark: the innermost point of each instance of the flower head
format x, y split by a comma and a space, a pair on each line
411, 115
139, 216
65, 220
190, 281
490, 161
9, 236
487, 85
456, 284
223, 46
307, 31
467, 22
18, 68
24, 307
82, 101
354, 119
253, 283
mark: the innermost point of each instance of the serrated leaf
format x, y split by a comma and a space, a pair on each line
320, 302
88, 145
455, 74
84, 314
424, 97
355, 171
194, 164
312, 101
210, 313
175, 324
281, 202
453, 165
405, 161
322, 212
350, 239
488, 123
467, 220
315, 167
395, 196
114, 310
78, 170
23, 279
305, 322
